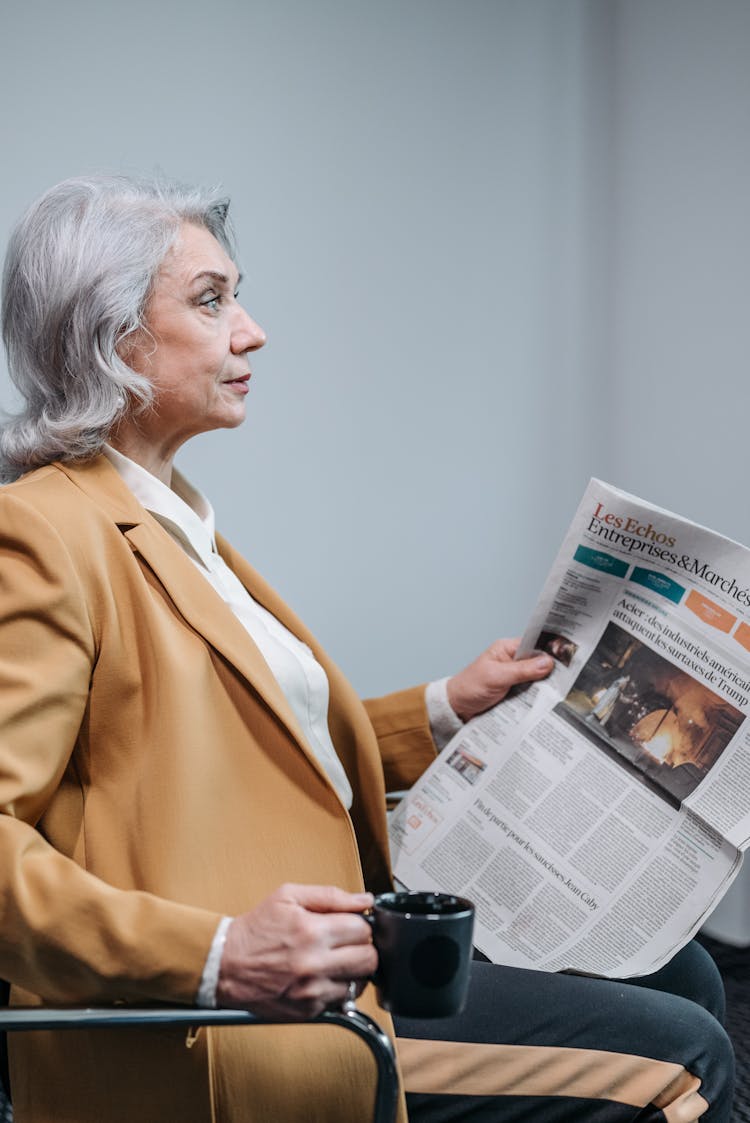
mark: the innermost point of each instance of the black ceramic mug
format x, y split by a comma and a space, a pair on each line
424, 946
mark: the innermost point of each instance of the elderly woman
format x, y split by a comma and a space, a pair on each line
192, 794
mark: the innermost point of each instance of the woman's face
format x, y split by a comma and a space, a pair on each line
195, 349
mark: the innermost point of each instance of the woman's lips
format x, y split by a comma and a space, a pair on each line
240, 383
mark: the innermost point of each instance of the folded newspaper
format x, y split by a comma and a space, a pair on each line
598, 817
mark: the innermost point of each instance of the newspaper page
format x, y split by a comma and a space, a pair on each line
598, 817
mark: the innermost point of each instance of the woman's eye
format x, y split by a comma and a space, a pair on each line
211, 302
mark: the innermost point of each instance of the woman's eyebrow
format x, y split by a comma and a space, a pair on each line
213, 275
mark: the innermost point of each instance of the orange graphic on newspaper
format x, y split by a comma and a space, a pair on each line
420, 817
709, 612
742, 635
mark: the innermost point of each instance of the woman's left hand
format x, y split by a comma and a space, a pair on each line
487, 680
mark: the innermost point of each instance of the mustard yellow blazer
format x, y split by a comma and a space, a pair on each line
153, 779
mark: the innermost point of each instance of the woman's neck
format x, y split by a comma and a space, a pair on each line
134, 444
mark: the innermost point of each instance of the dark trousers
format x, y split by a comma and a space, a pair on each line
532, 1046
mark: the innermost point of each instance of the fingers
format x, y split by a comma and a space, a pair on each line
526, 670
325, 898
296, 951
344, 980
344, 964
487, 680
348, 927
312, 996
323, 962
504, 649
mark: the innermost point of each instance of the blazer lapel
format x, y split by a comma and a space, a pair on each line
264, 594
199, 604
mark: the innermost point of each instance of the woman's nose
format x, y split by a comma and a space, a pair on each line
247, 335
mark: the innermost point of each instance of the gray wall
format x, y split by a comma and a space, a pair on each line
680, 345
498, 246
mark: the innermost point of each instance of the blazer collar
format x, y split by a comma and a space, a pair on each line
191, 594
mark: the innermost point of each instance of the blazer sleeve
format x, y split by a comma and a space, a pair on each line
65, 934
402, 728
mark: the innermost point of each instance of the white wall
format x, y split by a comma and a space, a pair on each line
681, 247
411, 189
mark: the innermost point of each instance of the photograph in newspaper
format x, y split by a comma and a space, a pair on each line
560, 647
654, 716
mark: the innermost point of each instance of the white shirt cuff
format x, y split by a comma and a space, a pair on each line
210, 978
444, 721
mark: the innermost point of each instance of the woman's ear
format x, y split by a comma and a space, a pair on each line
135, 348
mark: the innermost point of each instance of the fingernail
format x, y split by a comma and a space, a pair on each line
544, 662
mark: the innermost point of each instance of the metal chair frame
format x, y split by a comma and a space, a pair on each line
19, 1018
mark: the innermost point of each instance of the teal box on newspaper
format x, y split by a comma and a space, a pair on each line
597, 559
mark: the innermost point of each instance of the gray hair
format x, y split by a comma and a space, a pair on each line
79, 269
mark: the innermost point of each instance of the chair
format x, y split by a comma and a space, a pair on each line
20, 1018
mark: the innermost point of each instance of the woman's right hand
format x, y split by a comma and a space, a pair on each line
295, 954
